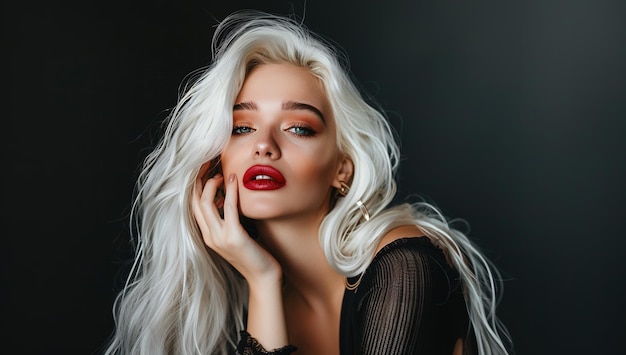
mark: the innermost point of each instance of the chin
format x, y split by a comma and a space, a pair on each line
258, 212
260, 206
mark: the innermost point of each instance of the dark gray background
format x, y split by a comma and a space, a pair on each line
511, 116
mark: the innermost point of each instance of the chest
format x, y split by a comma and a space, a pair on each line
314, 330
314, 334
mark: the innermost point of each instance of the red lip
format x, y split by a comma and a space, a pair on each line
276, 179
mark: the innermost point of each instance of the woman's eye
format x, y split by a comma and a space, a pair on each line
301, 131
242, 130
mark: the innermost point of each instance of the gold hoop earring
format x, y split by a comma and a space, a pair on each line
363, 209
344, 189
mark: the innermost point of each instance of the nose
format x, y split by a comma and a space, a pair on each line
266, 146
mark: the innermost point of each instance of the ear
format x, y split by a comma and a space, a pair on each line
345, 169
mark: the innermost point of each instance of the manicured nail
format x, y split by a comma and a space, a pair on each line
231, 178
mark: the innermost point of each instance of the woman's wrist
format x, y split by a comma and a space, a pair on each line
266, 319
269, 277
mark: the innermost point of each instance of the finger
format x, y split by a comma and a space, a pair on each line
210, 201
231, 212
203, 191
195, 205
207, 216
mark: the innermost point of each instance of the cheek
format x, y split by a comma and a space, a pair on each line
318, 167
227, 162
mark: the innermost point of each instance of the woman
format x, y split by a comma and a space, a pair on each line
265, 223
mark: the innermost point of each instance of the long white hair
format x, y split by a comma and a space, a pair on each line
183, 298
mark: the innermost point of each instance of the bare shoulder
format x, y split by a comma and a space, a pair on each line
398, 233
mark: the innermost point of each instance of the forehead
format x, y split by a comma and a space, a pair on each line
284, 82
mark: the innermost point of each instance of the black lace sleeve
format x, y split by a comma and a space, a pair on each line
250, 346
409, 302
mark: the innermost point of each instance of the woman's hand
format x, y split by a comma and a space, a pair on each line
226, 236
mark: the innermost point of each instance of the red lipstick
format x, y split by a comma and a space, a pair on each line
263, 177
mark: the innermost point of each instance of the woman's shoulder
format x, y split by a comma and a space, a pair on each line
403, 242
399, 236
405, 256
407, 243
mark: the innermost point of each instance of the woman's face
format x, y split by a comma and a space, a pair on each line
283, 147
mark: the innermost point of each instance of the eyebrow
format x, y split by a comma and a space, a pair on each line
287, 106
245, 106
295, 106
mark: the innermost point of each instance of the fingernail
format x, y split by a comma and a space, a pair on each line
217, 176
231, 178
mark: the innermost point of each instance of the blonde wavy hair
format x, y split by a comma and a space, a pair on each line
180, 296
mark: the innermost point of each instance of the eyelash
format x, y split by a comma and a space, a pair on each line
237, 130
308, 132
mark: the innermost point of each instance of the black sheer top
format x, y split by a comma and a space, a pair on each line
409, 301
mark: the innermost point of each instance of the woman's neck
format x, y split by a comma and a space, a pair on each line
296, 246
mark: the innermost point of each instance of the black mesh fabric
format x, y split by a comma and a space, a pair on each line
409, 301
250, 346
